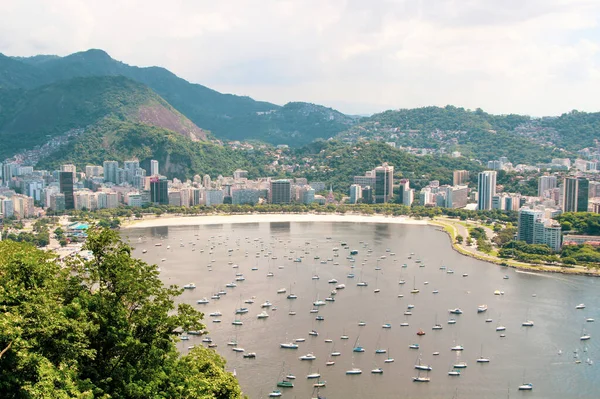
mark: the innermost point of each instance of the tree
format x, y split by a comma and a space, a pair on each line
459, 239
102, 328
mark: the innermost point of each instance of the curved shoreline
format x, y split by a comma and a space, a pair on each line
449, 229
529, 267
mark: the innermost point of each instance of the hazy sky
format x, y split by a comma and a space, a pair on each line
539, 57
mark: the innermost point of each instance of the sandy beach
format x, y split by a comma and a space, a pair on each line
257, 218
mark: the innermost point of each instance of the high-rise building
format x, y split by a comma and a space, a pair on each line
110, 171
66, 188
213, 197
460, 177
575, 194
280, 192
534, 228
93, 171
546, 183
68, 168
9, 170
307, 195
245, 196
486, 188
206, 181
154, 168
526, 227
583, 195
159, 190
240, 174
131, 170
384, 183
355, 193
456, 196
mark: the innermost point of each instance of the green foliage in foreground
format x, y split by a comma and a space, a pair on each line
103, 328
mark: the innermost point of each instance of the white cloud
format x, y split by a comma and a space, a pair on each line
525, 56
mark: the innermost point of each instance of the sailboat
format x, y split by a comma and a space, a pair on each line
284, 383
376, 290
482, 359
418, 378
389, 358
584, 335
357, 347
436, 326
379, 350
420, 366
527, 322
414, 290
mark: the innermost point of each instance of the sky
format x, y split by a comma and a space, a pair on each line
536, 57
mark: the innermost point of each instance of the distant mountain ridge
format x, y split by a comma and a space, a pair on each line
227, 116
29, 117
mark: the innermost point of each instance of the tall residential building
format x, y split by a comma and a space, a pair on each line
546, 183
384, 183
355, 193
213, 197
111, 169
281, 192
68, 168
240, 174
93, 171
245, 196
206, 181
9, 170
159, 190
486, 188
575, 194
456, 196
66, 188
154, 168
534, 228
131, 170
460, 177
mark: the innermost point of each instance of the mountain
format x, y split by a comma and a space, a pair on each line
227, 116
29, 118
475, 134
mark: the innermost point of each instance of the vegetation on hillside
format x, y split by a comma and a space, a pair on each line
179, 157
475, 134
336, 163
30, 117
102, 328
575, 130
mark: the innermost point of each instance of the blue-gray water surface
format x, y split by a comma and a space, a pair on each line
549, 355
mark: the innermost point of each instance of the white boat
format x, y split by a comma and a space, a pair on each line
241, 311
290, 376
527, 323
319, 302
281, 291
202, 301
270, 274
340, 286
454, 373
144, 251
313, 333
405, 324
580, 306
300, 339
332, 281
267, 304
289, 345
378, 370
308, 356
482, 308
215, 314
231, 285
336, 353
353, 371
249, 301
292, 313
315, 277
455, 311
452, 321
313, 375
500, 328
457, 348
526, 387
462, 365
262, 315
589, 320
237, 349
292, 296
421, 379
275, 394
237, 323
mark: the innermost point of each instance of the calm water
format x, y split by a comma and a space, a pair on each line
523, 355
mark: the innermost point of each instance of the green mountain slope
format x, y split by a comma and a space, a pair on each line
574, 130
474, 133
30, 117
227, 116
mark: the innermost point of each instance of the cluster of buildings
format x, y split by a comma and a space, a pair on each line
26, 192
375, 187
